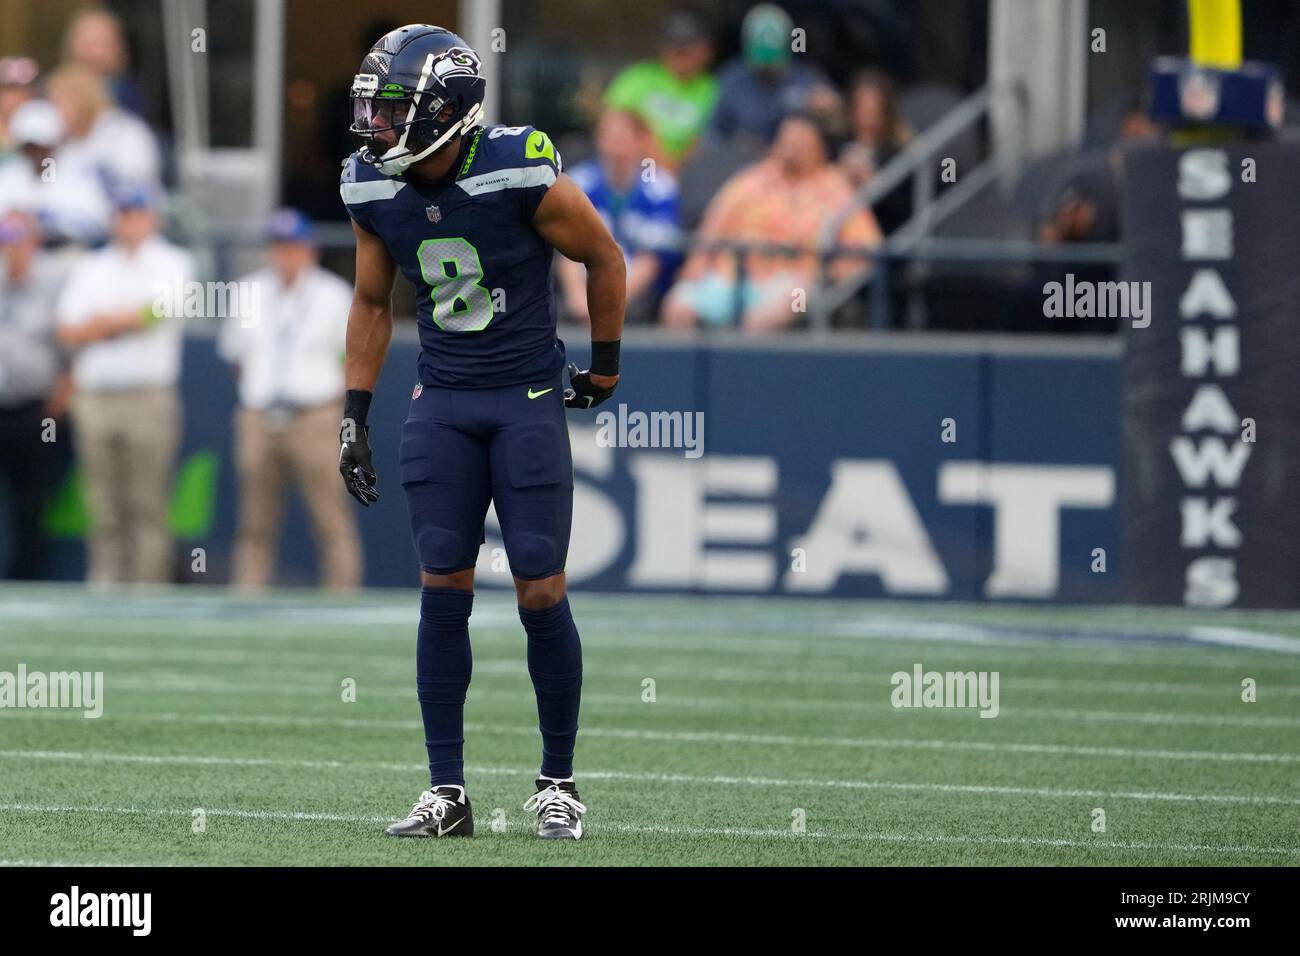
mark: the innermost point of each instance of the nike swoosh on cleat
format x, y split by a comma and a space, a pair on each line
442, 832
532, 394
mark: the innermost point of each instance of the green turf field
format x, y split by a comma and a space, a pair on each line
762, 709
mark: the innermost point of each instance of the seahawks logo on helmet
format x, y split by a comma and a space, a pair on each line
458, 61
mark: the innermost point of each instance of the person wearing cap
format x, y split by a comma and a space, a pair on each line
766, 82
288, 349
70, 203
33, 387
117, 315
673, 95
17, 85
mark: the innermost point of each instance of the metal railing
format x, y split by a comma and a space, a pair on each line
216, 249
917, 162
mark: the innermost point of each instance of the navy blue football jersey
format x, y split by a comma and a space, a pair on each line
482, 273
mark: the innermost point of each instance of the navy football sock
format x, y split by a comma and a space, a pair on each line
555, 665
442, 670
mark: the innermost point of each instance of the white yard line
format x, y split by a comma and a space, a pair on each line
63, 864
743, 832
775, 634
1240, 637
403, 667
634, 776
632, 699
727, 737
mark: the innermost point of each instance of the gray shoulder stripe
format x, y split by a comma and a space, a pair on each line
369, 192
521, 177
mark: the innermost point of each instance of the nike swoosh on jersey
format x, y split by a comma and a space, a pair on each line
532, 394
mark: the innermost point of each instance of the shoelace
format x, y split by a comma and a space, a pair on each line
431, 805
554, 805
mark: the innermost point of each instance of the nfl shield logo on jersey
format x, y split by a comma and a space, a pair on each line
417, 391
434, 213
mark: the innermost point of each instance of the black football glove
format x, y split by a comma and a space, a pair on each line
582, 392
355, 466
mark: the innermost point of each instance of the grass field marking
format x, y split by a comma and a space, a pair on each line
44, 600
287, 815
493, 634
862, 708
63, 864
598, 827
727, 737
1239, 637
711, 736
958, 839
328, 691
704, 736
514, 666
1150, 717
978, 789
649, 777
708, 736
199, 760
823, 627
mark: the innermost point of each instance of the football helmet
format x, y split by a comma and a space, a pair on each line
417, 88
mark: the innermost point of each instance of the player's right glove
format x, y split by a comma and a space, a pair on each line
355, 464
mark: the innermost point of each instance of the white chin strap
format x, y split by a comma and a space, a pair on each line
398, 159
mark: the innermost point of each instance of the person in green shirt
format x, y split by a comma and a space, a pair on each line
675, 94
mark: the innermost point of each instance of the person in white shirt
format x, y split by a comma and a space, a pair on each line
288, 347
70, 203
102, 137
117, 315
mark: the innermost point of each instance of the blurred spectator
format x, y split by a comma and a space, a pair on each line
640, 206
96, 40
673, 95
117, 312
1083, 204
17, 85
786, 199
102, 137
878, 133
69, 202
33, 386
289, 356
764, 84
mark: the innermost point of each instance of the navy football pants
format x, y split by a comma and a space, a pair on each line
464, 448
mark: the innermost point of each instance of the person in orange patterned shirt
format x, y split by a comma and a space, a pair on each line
788, 197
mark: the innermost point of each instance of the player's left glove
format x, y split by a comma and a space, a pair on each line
582, 391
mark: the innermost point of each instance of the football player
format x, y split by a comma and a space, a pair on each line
470, 215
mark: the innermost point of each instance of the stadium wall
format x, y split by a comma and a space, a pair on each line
948, 468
